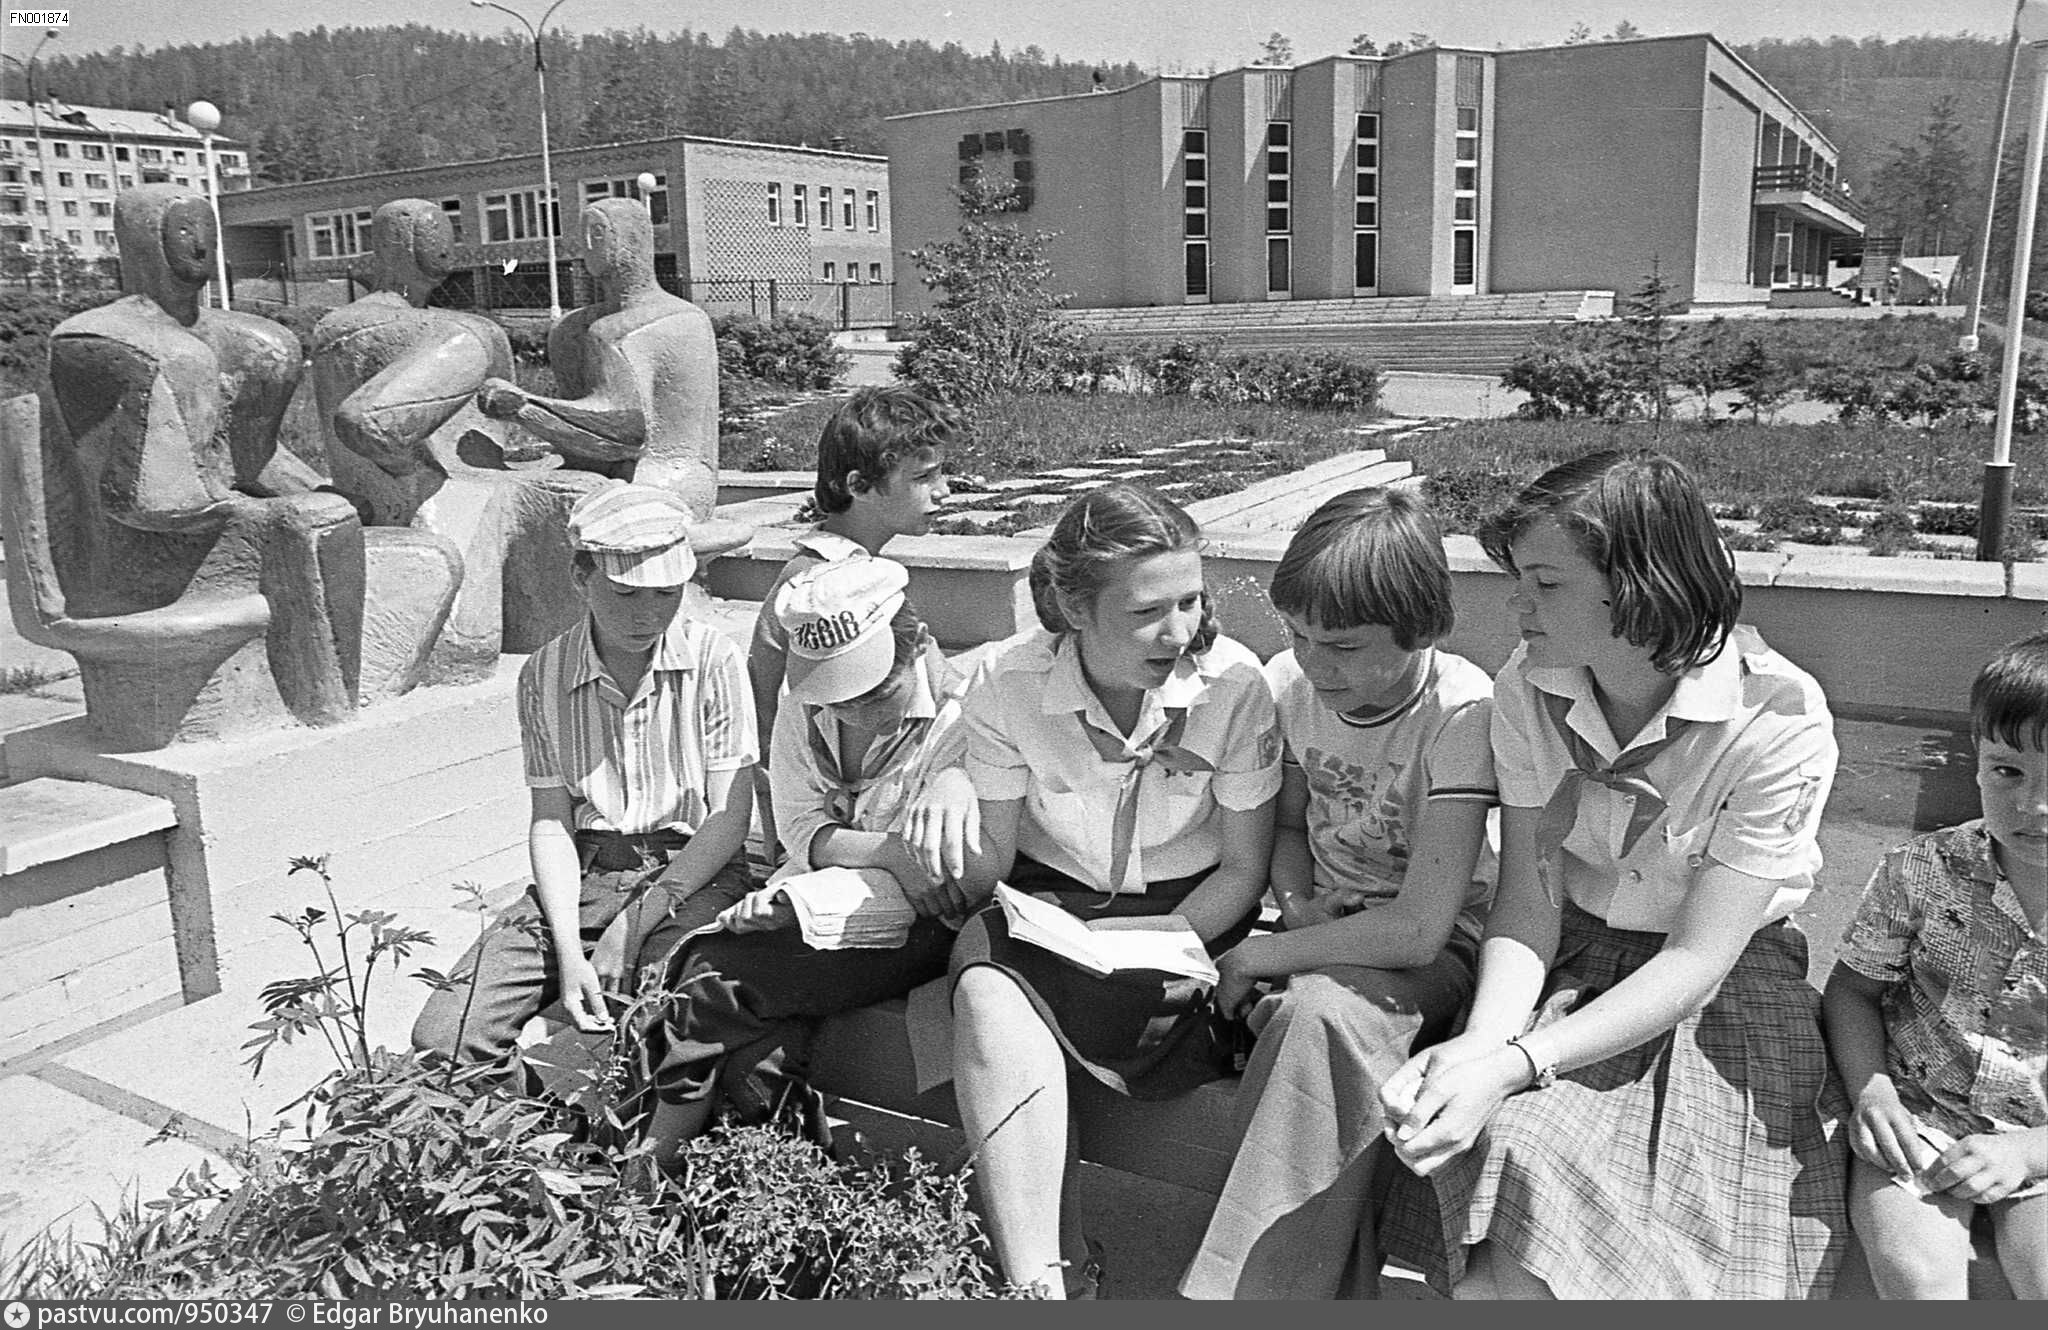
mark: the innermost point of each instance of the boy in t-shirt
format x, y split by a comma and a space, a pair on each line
638, 732
1381, 870
881, 474
1937, 1017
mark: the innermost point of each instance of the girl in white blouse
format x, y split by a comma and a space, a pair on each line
1125, 759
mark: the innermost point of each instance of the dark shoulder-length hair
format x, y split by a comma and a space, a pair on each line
1096, 532
1639, 518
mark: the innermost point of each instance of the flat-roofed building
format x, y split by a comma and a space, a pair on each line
61, 165
757, 226
1437, 172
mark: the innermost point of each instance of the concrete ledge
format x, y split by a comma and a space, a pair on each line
46, 820
418, 792
740, 486
1935, 577
970, 589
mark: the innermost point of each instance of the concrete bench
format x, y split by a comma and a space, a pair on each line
864, 1057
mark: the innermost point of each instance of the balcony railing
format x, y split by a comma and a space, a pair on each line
1806, 180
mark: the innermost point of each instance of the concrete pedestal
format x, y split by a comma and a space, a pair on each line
411, 797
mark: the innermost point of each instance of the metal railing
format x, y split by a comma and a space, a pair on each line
1807, 180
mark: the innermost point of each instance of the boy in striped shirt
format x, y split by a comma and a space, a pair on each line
638, 732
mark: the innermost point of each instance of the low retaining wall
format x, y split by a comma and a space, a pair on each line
1881, 635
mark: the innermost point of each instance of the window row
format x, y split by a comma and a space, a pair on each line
869, 205
831, 271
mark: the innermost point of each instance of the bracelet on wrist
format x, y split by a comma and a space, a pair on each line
1542, 1075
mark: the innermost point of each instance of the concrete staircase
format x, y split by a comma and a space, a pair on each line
1433, 334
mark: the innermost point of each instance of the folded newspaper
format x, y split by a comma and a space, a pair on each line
1144, 942
843, 908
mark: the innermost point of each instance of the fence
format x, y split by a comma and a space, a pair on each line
843, 304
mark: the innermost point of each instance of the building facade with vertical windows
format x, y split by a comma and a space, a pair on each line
737, 226
1435, 172
61, 165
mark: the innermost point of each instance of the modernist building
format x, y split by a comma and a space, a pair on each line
60, 166
736, 225
1436, 172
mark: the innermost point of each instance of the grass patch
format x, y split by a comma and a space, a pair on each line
28, 678
1021, 435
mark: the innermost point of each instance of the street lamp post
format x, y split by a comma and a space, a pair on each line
547, 170
1996, 501
205, 117
35, 119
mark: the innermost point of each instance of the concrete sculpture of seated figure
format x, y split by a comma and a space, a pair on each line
396, 384
638, 371
157, 505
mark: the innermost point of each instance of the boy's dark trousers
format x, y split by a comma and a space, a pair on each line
516, 972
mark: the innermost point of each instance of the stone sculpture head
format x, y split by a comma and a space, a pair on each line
167, 238
618, 243
413, 247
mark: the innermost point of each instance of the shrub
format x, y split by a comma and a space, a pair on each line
1762, 380
1800, 520
794, 349
1569, 370
1891, 530
995, 328
529, 339
424, 1181
26, 320
299, 318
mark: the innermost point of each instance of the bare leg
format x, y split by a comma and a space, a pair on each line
1493, 1275
1917, 1248
2022, 1230
1009, 1073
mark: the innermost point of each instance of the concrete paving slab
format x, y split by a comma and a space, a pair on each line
191, 1060
61, 1155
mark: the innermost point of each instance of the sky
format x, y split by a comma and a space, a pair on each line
1162, 34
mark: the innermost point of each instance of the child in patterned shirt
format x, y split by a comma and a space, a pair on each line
1937, 1016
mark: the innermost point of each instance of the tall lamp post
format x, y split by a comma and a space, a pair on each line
205, 117
35, 119
547, 170
1997, 495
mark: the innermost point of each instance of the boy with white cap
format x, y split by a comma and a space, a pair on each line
881, 474
864, 727
638, 731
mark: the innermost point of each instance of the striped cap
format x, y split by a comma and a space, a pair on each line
639, 535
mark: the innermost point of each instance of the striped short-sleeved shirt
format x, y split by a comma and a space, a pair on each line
636, 764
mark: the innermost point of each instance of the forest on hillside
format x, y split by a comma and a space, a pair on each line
1911, 116
341, 101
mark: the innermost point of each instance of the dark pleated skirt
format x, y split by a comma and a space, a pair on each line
1143, 1033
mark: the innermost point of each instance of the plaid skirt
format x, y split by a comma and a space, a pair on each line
1704, 1163
1143, 1033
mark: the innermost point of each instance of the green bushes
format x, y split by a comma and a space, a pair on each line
792, 350
1310, 381
422, 1181
26, 319
1896, 369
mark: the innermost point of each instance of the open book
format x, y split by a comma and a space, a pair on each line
840, 908
1155, 942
